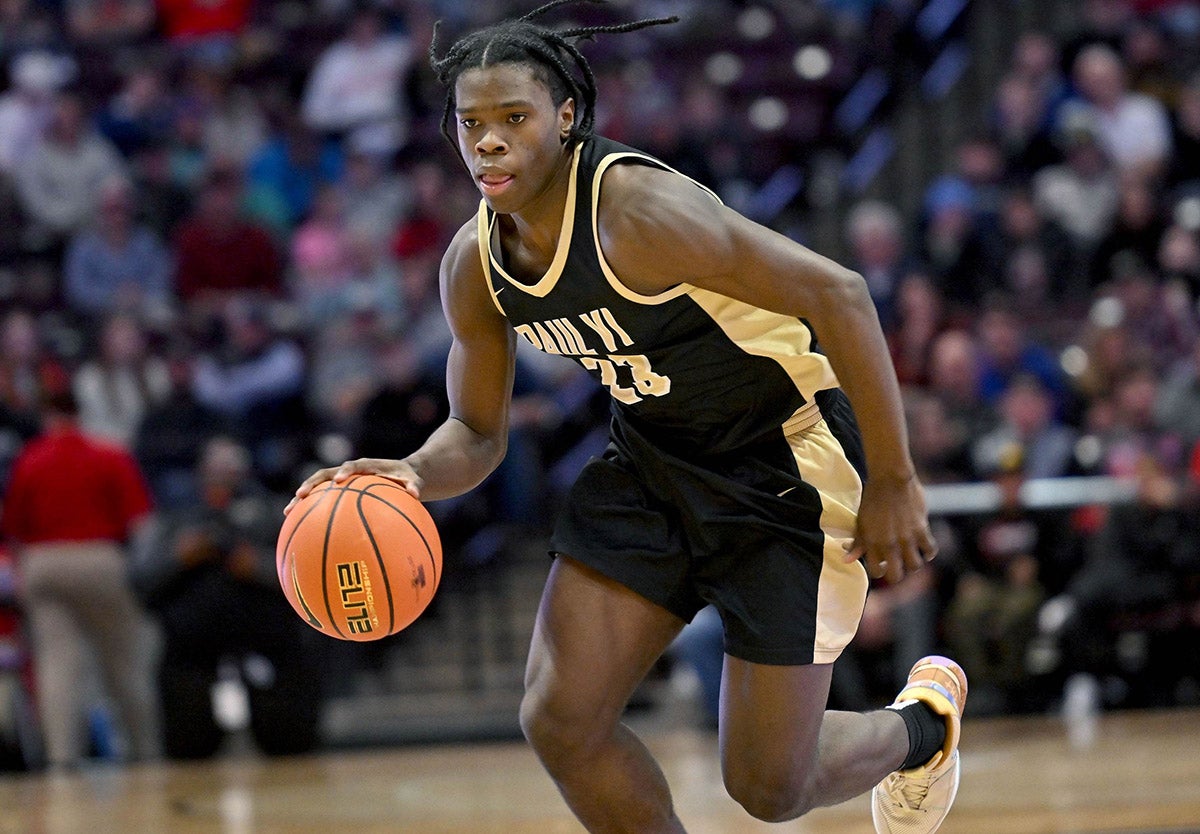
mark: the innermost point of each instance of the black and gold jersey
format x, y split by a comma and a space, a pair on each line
693, 370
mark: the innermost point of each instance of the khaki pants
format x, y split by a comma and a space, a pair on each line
77, 598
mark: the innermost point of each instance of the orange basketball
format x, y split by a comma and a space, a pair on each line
359, 560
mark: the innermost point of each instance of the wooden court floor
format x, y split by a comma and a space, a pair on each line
1140, 774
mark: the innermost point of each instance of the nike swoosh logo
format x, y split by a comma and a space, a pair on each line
500, 290
786, 491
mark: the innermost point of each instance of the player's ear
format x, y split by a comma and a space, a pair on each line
566, 118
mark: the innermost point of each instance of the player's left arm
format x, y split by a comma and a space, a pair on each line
658, 230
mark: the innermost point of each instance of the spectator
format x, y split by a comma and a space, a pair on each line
1020, 128
950, 246
1179, 259
979, 162
940, 445
358, 82
1133, 128
1136, 234
1142, 561
1177, 407
375, 197
1021, 227
140, 113
116, 389
1147, 56
1109, 350
992, 617
345, 368
27, 109
255, 381
409, 403
189, 161
285, 176
71, 505
877, 245
207, 570
26, 25
1134, 435
954, 379
1028, 426
375, 280
1037, 61
27, 370
235, 128
106, 24
1185, 162
920, 309
1027, 280
205, 27
319, 256
172, 435
61, 180
115, 263
1159, 314
162, 202
219, 253
1081, 195
1006, 351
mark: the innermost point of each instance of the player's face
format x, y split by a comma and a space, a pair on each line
511, 134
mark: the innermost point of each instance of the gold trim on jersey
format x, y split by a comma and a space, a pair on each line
841, 587
760, 332
613, 280
488, 249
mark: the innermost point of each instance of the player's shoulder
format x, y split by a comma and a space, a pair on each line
462, 254
644, 186
644, 210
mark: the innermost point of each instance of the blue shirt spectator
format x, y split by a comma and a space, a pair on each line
290, 169
115, 263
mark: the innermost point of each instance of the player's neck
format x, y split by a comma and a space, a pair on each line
538, 224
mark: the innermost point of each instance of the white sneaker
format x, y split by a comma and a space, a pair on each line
916, 801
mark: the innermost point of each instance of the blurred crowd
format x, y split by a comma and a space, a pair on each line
222, 223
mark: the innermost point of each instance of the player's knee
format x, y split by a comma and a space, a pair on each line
766, 798
558, 729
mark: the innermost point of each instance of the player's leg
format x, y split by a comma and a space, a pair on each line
593, 643
783, 754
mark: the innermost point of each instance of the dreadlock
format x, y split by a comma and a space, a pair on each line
549, 53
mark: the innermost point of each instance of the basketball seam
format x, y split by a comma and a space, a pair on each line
325, 562
387, 584
279, 559
416, 529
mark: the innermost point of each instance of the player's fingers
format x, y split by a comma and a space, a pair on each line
895, 564
320, 476
929, 546
350, 467
877, 565
913, 560
855, 550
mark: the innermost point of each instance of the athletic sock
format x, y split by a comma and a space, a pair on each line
926, 732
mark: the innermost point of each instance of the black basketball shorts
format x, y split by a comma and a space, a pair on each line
759, 533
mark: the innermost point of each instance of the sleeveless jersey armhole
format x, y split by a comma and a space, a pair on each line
614, 281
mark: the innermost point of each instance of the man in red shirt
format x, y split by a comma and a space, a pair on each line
219, 253
71, 504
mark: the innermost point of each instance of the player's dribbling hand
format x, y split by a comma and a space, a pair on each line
395, 470
893, 529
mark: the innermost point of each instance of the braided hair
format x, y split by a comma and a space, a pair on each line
550, 53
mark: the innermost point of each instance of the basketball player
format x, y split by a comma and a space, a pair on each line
735, 473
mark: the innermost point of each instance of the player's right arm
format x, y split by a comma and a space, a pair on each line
465, 449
